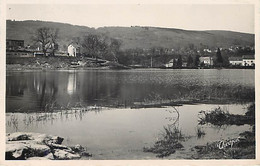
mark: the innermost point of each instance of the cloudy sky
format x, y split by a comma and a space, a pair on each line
234, 17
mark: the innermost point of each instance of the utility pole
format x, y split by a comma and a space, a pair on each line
151, 62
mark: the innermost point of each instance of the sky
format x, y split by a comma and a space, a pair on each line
234, 17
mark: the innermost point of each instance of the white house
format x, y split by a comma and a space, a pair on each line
170, 63
248, 60
208, 61
236, 61
73, 49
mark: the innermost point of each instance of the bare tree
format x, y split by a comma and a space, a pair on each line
47, 37
54, 36
94, 45
42, 36
114, 48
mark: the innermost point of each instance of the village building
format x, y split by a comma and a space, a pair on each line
170, 64
248, 60
14, 44
73, 49
15, 48
236, 61
207, 61
20, 54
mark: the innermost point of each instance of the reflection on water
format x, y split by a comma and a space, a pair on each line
72, 83
122, 133
50, 90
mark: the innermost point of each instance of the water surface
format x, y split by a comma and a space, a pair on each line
122, 133
43, 90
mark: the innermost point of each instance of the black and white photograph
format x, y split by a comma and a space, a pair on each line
137, 81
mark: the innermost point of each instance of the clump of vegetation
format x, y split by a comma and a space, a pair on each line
168, 144
242, 148
251, 110
220, 117
200, 132
222, 93
82, 151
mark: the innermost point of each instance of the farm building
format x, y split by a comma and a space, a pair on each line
170, 64
248, 60
207, 61
236, 61
14, 44
73, 49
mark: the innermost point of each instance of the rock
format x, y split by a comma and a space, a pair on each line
64, 155
57, 146
49, 156
15, 151
57, 140
40, 138
19, 136
38, 158
53, 140
78, 148
37, 146
25, 149
38, 150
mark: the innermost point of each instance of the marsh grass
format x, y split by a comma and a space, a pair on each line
36, 118
214, 94
169, 140
220, 116
168, 143
244, 148
13, 121
200, 133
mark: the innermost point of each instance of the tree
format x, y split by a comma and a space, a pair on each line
54, 35
47, 38
114, 48
197, 61
43, 37
219, 58
179, 62
94, 45
189, 61
174, 63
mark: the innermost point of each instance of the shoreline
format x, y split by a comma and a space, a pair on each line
19, 67
143, 106
243, 148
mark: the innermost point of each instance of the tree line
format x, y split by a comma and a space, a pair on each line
104, 47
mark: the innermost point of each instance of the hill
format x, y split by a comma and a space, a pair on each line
134, 37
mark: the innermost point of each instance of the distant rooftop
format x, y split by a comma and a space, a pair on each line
248, 56
235, 59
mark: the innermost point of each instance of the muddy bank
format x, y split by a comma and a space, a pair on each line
37, 146
60, 63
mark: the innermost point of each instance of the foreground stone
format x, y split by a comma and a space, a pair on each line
37, 146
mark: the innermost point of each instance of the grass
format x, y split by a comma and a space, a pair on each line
243, 147
168, 143
220, 116
200, 132
29, 119
222, 93
213, 94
